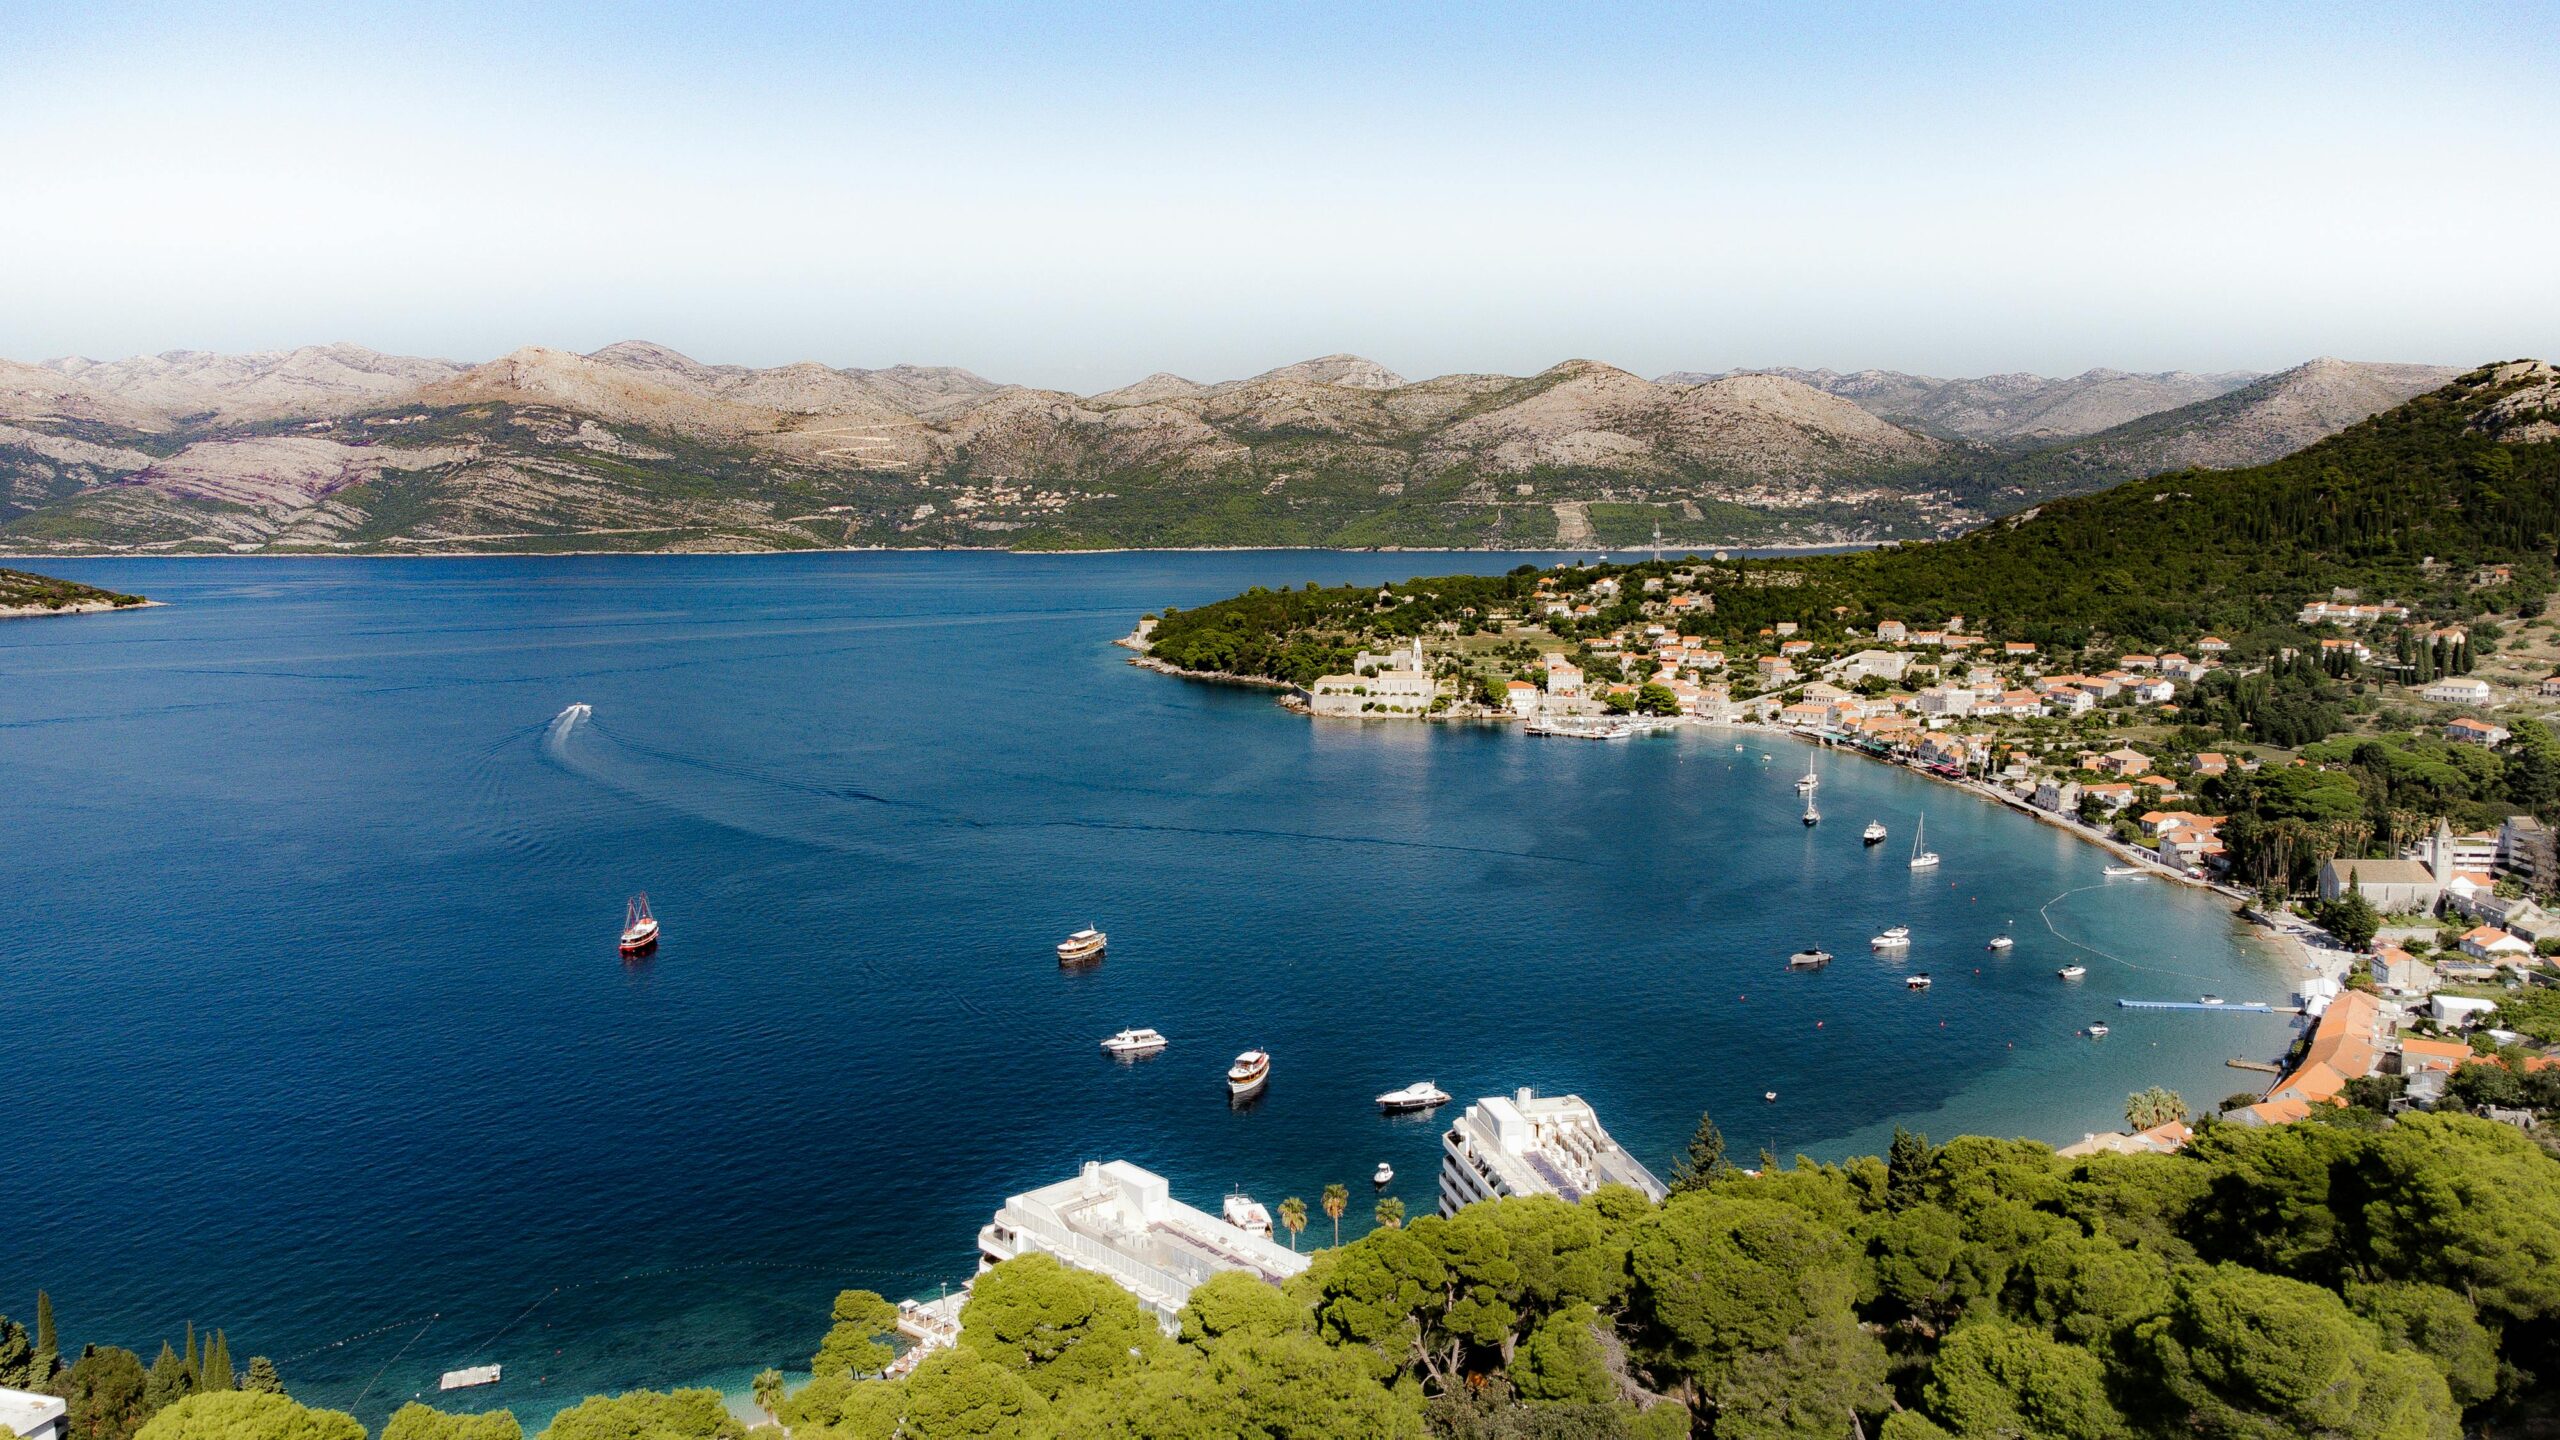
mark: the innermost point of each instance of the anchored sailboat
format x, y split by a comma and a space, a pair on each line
1922, 859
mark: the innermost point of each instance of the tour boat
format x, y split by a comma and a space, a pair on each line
1897, 938
1129, 1044
1249, 1074
639, 927
2072, 972
2000, 942
1916, 982
1085, 944
1874, 833
1386, 1172
1812, 817
2097, 1032
1413, 1097
1922, 859
1808, 959
1248, 1215
2119, 871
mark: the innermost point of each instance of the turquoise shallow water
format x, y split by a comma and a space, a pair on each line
309, 905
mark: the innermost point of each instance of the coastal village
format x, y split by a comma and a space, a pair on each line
2094, 741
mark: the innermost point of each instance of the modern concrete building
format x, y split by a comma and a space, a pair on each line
1525, 1144
37, 1417
1122, 1222
1396, 683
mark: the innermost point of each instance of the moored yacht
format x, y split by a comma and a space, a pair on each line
1897, 938
1129, 1044
2072, 972
1916, 982
2097, 1032
1413, 1097
1249, 1074
639, 927
1386, 1173
1086, 944
1248, 1215
1874, 833
2000, 942
1808, 959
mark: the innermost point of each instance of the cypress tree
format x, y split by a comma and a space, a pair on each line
17, 1356
193, 1369
1705, 1160
48, 1344
1907, 1168
168, 1382
262, 1377
216, 1374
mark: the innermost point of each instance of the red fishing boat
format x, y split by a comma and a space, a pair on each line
639, 927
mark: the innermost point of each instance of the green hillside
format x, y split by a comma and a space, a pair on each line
22, 590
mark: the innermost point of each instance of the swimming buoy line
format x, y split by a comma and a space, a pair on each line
2047, 918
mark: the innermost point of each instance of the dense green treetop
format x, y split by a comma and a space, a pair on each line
248, 1415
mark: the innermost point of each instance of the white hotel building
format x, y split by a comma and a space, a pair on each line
1123, 1223
1522, 1144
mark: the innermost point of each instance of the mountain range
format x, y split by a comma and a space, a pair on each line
339, 448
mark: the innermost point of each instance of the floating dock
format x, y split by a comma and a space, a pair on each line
2245, 1007
467, 1378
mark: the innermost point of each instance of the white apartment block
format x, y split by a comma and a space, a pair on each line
1123, 1223
1525, 1144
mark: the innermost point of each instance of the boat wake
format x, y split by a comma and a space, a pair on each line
565, 724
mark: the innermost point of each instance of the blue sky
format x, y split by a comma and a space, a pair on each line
1075, 195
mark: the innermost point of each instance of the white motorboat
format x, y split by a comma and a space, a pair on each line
1874, 833
1808, 959
1248, 1215
1386, 1172
1413, 1097
2000, 942
2118, 872
1129, 1044
2097, 1032
1922, 859
2072, 972
1769, 1097
1897, 938
2208, 999
1916, 982
1249, 1074
1086, 944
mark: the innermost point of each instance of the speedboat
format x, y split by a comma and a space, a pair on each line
1248, 1215
639, 927
1897, 938
1386, 1172
2097, 1032
1769, 1097
1916, 982
2000, 942
2072, 972
2208, 999
1874, 833
1086, 944
1808, 959
1413, 1097
1129, 1044
1249, 1074
2120, 871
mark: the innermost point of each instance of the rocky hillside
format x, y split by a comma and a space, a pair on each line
2008, 409
636, 446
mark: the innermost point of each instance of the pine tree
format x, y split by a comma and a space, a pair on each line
1705, 1161
169, 1380
1907, 1167
17, 1356
216, 1374
262, 1377
48, 1344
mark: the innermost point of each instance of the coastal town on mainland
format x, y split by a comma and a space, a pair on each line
2093, 741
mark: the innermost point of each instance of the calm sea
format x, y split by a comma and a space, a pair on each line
316, 1029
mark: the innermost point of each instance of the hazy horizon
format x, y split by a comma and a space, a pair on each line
1076, 197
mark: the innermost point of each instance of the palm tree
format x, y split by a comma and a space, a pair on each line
1391, 1214
768, 1388
1336, 1200
1293, 1218
2144, 1109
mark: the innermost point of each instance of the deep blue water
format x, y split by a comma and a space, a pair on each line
316, 1029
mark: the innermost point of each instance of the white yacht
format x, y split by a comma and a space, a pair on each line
1897, 938
2097, 1032
1249, 1074
1916, 982
1922, 859
1413, 1097
1386, 1173
1085, 944
1248, 1215
1808, 959
2208, 999
2072, 972
2118, 872
1128, 1044
1874, 833
2000, 942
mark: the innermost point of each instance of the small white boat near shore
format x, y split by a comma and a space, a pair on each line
2072, 972
2118, 872
2097, 1032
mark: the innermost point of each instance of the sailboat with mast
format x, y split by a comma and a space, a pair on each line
1810, 779
1922, 858
1812, 817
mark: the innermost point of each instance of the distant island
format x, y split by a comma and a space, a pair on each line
23, 593
343, 450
